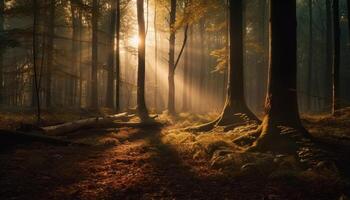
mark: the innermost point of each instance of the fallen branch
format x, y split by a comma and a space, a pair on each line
83, 124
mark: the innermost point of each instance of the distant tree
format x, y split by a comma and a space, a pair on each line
50, 51
111, 74
35, 69
310, 56
171, 62
117, 56
75, 51
336, 56
281, 103
141, 104
329, 54
94, 55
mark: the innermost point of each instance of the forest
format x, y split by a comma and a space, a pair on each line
175, 99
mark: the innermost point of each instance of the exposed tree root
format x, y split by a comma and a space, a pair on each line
285, 140
142, 124
226, 122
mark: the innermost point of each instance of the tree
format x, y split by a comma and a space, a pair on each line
2, 8
348, 6
310, 57
336, 56
141, 104
235, 110
50, 52
171, 62
75, 46
34, 48
117, 57
281, 103
110, 78
329, 50
94, 54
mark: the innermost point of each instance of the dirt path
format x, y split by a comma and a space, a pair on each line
140, 167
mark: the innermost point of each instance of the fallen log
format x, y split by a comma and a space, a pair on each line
83, 124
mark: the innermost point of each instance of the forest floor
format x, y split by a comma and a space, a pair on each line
168, 163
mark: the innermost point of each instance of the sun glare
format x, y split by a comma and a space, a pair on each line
134, 41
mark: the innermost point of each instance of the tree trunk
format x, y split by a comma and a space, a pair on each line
235, 100
35, 18
171, 75
141, 104
50, 52
281, 100
336, 56
110, 78
329, 55
310, 59
186, 82
94, 55
75, 44
2, 50
80, 58
348, 7
155, 58
117, 57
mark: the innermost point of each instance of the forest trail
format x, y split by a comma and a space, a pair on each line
140, 167
137, 165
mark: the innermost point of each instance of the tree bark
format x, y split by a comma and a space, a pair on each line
2, 8
34, 48
171, 75
336, 56
75, 45
235, 100
281, 103
111, 74
155, 57
50, 50
94, 56
117, 57
348, 7
141, 104
310, 58
186, 83
329, 56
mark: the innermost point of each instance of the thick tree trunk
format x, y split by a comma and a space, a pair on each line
336, 56
110, 76
171, 75
117, 57
2, 7
281, 100
50, 52
348, 6
141, 104
94, 56
235, 100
